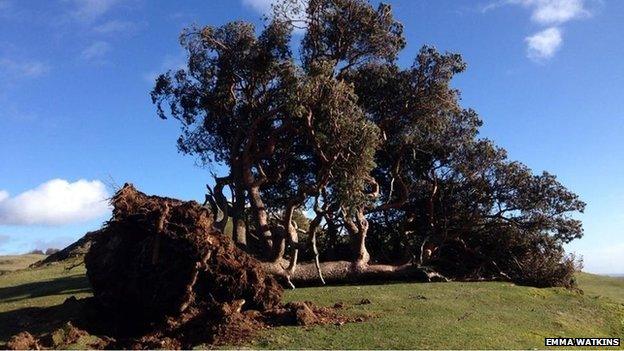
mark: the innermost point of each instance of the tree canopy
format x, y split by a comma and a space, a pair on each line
382, 157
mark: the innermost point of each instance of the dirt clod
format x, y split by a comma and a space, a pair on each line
64, 336
23, 341
303, 313
364, 302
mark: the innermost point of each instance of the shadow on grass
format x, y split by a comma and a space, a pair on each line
37, 320
83, 313
42, 319
66, 285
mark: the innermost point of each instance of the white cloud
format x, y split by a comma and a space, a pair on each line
90, 10
294, 9
116, 26
548, 12
544, 44
55, 202
95, 51
22, 69
262, 6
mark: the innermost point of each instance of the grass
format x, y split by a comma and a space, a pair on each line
422, 316
459, 315
602, 286
15, 262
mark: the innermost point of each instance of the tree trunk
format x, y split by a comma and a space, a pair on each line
341, 272
314, 225
262, 216
357, 232
362, 253
239, 230
293, 241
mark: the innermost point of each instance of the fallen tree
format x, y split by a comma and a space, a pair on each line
368, 144
342, 272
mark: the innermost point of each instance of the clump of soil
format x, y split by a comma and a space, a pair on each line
23, 341
307, 314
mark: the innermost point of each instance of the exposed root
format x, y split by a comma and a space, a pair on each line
163, 277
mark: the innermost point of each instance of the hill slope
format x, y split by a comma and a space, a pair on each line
434, 315
14, 262
461, 315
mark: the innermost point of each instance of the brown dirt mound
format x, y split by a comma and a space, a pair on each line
163, 277
160, 260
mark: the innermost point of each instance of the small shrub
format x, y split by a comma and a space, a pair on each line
535, 259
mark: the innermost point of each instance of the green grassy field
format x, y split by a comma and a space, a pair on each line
423, 316
15, 262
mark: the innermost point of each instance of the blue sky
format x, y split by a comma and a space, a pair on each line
547, 77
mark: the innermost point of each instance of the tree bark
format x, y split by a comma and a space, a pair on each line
293, 241
357, 231
262, 216
314, 225
221, 202
341, 272
239, 230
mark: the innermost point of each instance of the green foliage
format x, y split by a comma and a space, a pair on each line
343, 138
302, 221
348, 33
373, 144
233, 81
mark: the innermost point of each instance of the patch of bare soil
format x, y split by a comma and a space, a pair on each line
163, 277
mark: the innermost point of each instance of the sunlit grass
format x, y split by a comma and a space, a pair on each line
422, 316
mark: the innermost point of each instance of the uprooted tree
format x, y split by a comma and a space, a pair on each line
343, 132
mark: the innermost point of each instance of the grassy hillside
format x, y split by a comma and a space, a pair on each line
436, 315
15, 262
460, 315
601, 286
